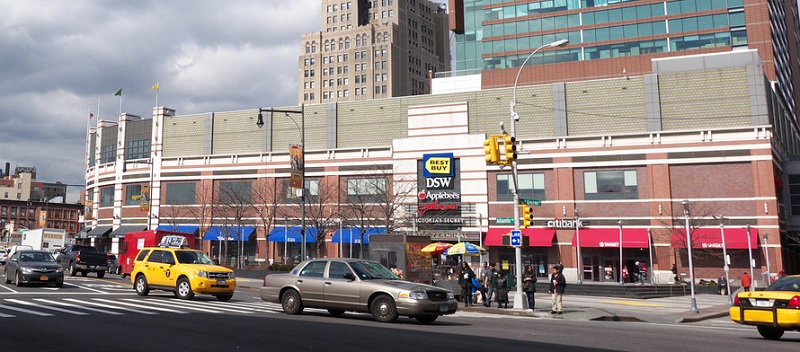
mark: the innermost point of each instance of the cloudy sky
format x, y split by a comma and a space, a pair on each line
57, 58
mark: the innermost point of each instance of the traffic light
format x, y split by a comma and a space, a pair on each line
510, 147
527, 216
491, 149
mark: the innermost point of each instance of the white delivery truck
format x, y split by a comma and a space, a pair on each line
44, 239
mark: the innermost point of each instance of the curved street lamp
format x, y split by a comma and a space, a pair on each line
519, 303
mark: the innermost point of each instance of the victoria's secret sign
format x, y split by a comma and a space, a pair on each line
439, 196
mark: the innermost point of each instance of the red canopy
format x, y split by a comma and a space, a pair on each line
735, 238
609, 238
537, 237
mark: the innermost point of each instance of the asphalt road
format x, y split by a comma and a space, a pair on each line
92, 314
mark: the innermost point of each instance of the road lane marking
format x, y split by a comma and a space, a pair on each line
65, 304
167, 304
46, 307
86, 288
196, 303
9, 288
109, 306
23, 310
140, 306
226, 304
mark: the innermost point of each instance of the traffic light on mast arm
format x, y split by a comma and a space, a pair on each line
510, 147
492, 150
527, 216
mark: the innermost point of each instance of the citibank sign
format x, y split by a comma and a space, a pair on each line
564, 223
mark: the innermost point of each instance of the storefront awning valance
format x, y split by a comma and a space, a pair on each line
218, 233
609, 238
292, 234
99, 231
735, 238
353, 235
537, 237
180, 228
120, 232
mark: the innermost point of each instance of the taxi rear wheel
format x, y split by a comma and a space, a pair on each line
384, 309
141, 286
769, 332
183, 289
291, 302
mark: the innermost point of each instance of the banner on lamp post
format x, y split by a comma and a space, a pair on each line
144, 198
296, 160
43, 218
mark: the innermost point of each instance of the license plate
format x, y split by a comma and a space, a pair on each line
763, 303
220, 282
444, 308
44, 278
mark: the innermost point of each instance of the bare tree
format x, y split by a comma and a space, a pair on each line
266, 198
320, 215
230, 211
700, 215
193, 206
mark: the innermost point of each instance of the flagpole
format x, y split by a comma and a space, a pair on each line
155, 88
88, 121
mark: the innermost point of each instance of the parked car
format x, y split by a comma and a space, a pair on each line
772, 311
82, 259
182, 271
3, 255
357, 285
28, 266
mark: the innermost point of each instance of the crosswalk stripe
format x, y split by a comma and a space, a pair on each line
140, 306
23, 310
65, 304
225, 304
46, 307
195, 303
6, 315
109, 306
168, 304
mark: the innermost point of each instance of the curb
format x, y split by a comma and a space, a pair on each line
701, 317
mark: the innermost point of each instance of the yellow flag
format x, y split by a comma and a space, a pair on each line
155, 86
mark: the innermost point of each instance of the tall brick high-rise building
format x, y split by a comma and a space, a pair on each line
615, 38
373, 49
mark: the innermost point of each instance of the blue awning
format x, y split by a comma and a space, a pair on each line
353, 235
217, 233
180, 228
292, 234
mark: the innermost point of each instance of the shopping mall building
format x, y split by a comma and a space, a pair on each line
632, 161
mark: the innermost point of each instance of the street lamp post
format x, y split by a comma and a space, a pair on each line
689, 246
750, 253
302, 166
578, 245
725, 259
620, 253
766, 256
520, 303
285, 239
339, 220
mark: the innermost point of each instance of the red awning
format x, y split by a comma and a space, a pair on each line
609, 238
537, 237
735, 238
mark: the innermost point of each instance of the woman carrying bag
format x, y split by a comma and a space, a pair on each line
529, 286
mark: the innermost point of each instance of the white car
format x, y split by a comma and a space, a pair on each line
3, 255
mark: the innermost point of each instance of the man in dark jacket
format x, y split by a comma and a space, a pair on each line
557, 285
465, 276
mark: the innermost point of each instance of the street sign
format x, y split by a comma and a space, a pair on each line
516, 238
505, 221
531, 202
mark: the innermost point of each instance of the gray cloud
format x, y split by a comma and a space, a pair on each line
60, 57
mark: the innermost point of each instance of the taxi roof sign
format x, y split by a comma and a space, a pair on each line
174, 242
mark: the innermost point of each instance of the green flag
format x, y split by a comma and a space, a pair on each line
118, 93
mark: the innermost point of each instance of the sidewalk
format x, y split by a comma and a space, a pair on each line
668, 310
586, 308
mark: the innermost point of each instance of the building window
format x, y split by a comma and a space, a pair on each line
531, 186
366, 190
312, 191
794, 194
181, 193
610, 185
139, 149
235, 192
107, 197
133, 194
107, 153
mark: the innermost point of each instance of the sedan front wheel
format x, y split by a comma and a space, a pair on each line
384, 309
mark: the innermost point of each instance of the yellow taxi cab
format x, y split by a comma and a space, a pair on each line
183, 271
772, 311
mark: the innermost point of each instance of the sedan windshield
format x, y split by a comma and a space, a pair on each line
368, 270
786, 284
189, 257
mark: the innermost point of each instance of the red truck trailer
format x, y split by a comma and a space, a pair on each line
134, 241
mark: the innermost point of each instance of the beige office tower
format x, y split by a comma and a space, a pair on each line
373, 49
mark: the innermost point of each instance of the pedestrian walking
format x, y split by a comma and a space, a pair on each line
722, 285
465, 276
640, 272
502, 291
491, 285
484, 273
557, 285
529, 286
635, 272
746, 282
675, 272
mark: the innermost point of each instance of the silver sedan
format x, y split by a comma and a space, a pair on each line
357, 285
